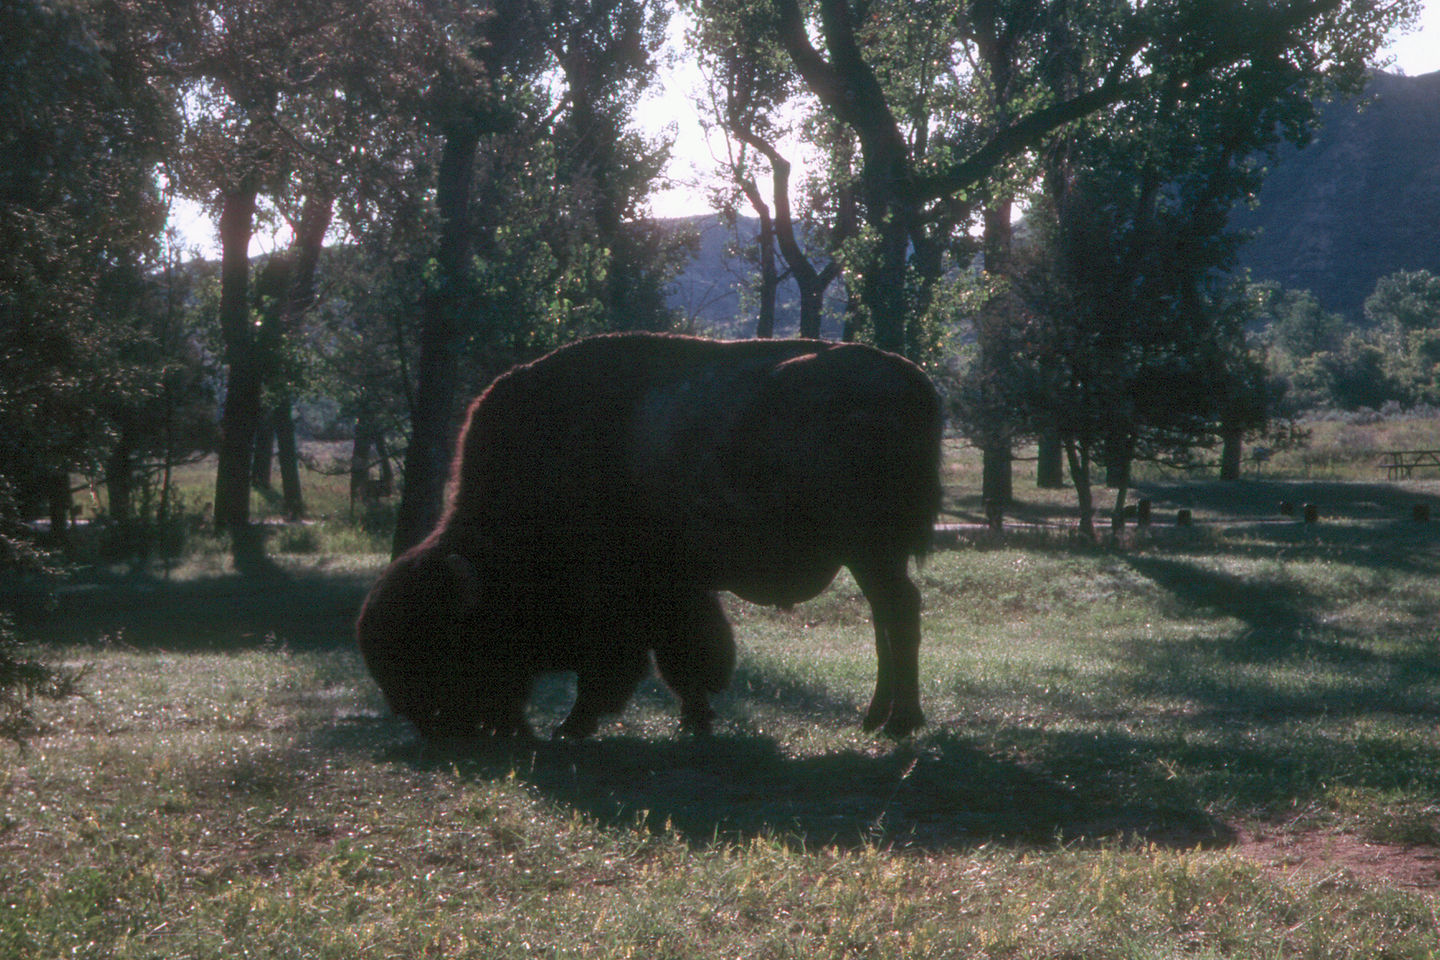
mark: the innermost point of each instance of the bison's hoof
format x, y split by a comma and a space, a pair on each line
440, 730
521, 731
699, 726
577, 728
903, 723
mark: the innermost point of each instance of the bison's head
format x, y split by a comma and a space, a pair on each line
422, 632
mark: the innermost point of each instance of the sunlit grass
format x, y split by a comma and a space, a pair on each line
1107, 726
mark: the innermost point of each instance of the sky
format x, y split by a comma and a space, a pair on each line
1420, 52
694, 160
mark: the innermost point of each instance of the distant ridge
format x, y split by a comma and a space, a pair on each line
717, 290
1361, 201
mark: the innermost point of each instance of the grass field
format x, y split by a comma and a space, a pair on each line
1216, 741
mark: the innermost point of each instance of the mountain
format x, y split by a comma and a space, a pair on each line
1362, 200
708, 293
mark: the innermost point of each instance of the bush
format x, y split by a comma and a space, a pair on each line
25, 680
299, 539
162, 526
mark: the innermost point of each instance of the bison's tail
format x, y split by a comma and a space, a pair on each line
925, 487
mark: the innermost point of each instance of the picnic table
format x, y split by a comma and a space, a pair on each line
1402, 464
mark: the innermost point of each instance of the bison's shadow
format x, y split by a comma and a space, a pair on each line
934, 792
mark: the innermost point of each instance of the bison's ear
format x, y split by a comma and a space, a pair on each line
464, 572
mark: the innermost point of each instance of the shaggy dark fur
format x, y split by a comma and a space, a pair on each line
604, 492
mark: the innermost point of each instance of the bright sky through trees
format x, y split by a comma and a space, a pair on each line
694, 161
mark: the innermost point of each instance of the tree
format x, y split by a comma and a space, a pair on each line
281, 101
80, 135
919, 180
1405, 301
1401, 352
605, 49
286, 289
750, 93
1293, 322
539, 194
1326, 363
81, 132
1137, 331
164, 414
468, 102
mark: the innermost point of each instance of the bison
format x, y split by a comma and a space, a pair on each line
603, 494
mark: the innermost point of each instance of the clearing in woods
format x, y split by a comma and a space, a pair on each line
1213, 741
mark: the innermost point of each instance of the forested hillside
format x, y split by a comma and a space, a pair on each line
1361, 201
715, 293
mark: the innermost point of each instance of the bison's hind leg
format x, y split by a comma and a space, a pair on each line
895, 609
695, 656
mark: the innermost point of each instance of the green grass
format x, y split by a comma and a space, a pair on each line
1213, 742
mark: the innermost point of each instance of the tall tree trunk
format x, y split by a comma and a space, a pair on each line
769, 281
299, 296
997, 476
812, 283
288, 454
883, 291
769, 275
853, 315
120, 488
1119, 450
60, 500
1117, 516
264, 457
1231, 449
812, 309
382, 459
444, 302
119, 481
1117, 471
1080, 476
360, 485
242, 390
1050, 462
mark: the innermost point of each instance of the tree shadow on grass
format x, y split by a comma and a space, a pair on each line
1372, 523
1282, 622
1272, 615
1218, 723
1266, 718
1251, 500
303, 609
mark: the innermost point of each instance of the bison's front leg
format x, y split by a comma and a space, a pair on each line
695, 655
895, 609
603, 686
500, 705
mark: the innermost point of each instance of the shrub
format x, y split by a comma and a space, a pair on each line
299, 539
24, 680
